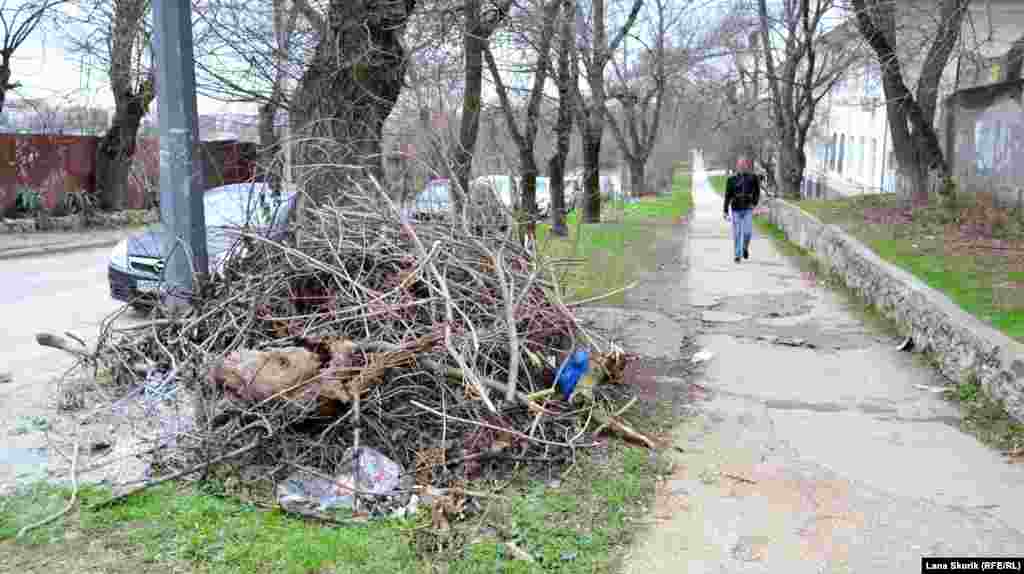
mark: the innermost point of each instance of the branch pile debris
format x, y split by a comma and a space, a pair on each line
430, 342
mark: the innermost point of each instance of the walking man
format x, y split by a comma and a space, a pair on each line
742, 192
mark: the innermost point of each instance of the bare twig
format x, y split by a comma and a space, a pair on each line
67, 508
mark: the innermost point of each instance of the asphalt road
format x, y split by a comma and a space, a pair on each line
55, 293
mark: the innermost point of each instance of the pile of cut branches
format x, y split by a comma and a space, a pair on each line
435, 343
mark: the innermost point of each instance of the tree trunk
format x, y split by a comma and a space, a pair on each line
792, 162
1014, 60
556, 173
528, 170
474, 44
268, 139
347, 93
5, 81
116, 151
637, 176
591, 176
563, 126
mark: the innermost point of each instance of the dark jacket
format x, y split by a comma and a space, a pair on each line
732, 186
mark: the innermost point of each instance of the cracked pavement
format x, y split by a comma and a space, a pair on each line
817, 457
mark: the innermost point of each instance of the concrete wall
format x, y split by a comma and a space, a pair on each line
961, 345
985, 136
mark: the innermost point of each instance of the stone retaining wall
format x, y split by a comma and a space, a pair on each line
962, 346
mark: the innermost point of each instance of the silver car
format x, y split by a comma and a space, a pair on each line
137, 263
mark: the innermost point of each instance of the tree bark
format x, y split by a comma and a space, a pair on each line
592, 118
793, 161
1015, 60
591, 177
637, 176
475, 38
5, 79
347, 92
563, 125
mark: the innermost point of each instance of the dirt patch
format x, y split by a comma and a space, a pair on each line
659, 326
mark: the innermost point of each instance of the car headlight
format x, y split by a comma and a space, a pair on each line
119, 256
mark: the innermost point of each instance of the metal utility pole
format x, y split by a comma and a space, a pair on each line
181, 181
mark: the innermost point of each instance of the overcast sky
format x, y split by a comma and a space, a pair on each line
46, 71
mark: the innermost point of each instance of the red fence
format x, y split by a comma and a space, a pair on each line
54, 165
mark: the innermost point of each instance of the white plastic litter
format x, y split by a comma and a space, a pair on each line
702, 357
304, 493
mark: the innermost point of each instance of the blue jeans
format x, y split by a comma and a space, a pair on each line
742, 229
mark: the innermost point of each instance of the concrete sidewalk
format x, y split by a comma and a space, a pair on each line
14, 245
816, 452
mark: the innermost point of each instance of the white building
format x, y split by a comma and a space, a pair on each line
849, 150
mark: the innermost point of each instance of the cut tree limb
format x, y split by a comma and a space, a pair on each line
58, 342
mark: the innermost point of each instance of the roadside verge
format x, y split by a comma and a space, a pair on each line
964, 349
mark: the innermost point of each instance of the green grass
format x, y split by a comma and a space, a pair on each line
923, 247
987, 419
180, 525
581, 527
611, 253
578, 527
718, 183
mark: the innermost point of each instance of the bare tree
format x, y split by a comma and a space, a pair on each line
284, 25
912, 116
526, 136
477, 31
18, 24
641, 90
800, 73
566, 77
596, 51
744, 113
117, 36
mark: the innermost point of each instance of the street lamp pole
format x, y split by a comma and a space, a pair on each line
181, 181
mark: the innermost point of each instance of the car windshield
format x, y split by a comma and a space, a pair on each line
240, 204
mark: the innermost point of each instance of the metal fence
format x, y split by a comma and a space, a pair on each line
55, 165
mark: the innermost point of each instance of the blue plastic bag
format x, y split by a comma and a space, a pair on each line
572, 370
